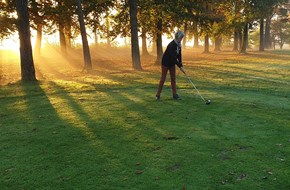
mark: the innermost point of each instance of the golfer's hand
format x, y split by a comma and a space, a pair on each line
182, 70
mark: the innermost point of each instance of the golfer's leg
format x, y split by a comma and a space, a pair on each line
173, 80
164, 71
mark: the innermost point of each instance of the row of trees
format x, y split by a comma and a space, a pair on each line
207, 19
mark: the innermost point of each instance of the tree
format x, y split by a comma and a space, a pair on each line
263, 10
38, 19
281, 32
94, 13
262, 35
209, 16
86, 49
134, 35
247, 17
267, 40
144, 42
61, 15
281, 26
26, 58
245, 38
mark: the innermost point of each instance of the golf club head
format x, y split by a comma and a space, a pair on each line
207, 102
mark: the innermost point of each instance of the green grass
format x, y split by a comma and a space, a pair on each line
106, 131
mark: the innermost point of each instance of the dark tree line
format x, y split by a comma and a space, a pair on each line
210, 20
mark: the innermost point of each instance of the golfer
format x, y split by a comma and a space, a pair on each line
171, 57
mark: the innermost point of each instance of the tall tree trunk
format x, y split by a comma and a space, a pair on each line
68, 35
37, 48
134, 36
274, 44
240, 39
126, 42
206, 44
86, 49
245, 39
144, 43
26, 58
218, 43
262, 47
236, 40
108, 30
61, 29
159, 41
195, 36
185, 35
154, 45
96, 38
268, 44
62, 39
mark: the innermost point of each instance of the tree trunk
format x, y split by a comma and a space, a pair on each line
245, 39
218, 43
134, 35
185, 35
37, 48
159, 42
262, 47
281, 43
144, 43
154, 45
86, 49
268, 44
240, 39
236, 40
68, 35
61, 27
195, 37
108, 30
62, 39
206, 44
96, 39
26, 58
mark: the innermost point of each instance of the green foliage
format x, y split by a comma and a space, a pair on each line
7, 21
95, 11
214, 18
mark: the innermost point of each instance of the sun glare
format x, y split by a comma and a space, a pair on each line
9, 44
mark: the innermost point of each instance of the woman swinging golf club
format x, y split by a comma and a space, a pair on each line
171, 57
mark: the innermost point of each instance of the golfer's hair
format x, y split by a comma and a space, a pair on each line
179, 35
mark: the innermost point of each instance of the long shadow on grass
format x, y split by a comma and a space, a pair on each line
127, 127
52, 149
119, 127
272, 55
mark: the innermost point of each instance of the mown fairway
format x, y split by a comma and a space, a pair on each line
105, 130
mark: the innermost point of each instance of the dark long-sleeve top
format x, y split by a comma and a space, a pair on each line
172, 55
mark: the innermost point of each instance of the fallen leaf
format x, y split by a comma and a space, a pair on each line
139, 172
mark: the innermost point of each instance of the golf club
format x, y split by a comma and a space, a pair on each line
207, 102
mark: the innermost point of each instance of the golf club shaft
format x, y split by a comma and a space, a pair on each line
195, 88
